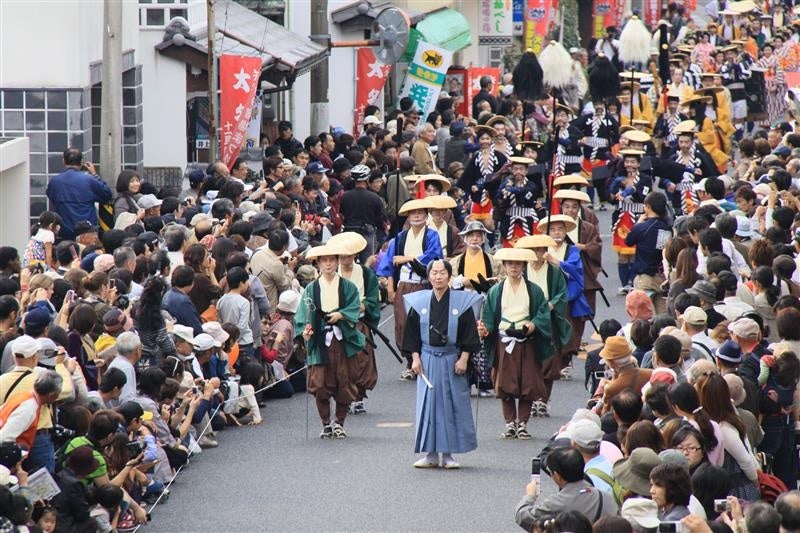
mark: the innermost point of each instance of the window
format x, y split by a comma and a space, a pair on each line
157, 13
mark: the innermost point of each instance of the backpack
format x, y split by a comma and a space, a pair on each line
770, 487
617, 490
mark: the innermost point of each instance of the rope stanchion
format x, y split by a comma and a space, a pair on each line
208, 424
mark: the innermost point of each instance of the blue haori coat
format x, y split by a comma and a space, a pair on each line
444, 422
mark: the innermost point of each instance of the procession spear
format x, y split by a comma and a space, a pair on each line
527, 78
556, 74
634, 48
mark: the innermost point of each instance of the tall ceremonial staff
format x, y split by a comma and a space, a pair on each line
556, 74
528, 85
663, 59
634, 48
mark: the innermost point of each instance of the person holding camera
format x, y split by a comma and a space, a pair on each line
565, 467
74, 193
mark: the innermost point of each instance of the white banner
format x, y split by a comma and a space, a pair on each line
251, 150
495, 18
426, 75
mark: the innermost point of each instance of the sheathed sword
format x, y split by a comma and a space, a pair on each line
385, 340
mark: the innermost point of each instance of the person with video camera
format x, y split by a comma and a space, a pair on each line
565, 467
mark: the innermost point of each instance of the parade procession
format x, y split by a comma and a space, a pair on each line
551, 246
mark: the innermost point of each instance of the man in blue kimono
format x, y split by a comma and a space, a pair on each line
441, 333
402, 268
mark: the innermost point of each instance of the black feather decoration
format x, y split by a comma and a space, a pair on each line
603, 79
527, 77
663, 55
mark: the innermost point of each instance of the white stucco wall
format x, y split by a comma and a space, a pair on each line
164, 104
52, 43
14, 192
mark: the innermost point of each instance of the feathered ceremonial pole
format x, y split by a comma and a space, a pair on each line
556, 73
663, 58
527, 76
603, 79
634, 47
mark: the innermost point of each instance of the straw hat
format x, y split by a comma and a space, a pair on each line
480, 130
565, 219
495, 119
640, 122
708, 91
521, 160
535, 241
562, 107
514, 254
440, 201
625, 128
536, 145
637, 136
350, 241
631, 152
413, 205
571, 194
326, 250
687, 126
616, 348
446, 185
570, 179
696, 97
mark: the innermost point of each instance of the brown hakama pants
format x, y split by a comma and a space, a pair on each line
336, 379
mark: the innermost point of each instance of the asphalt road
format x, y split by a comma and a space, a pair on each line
280, 476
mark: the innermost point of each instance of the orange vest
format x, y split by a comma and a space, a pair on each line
27, 437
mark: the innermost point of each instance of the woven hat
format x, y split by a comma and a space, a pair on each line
514, 254
571, 194
535, 241
616, 348
521, 160
633, 473
413, 205
571, 179
695, 316
631, 151
440, 201
704, 290
350, 241
565, 219
480, 130
326, 250
638, 136
696, 97
446, 185
495, 119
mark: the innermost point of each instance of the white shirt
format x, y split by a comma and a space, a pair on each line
175, 259
732, 307
129, 389
737, 260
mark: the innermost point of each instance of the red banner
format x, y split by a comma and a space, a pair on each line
538, 14
370, 78
602, 16
619, 13
652, 12
238, 82
474, 76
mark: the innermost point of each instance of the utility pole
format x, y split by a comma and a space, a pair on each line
212, 83
320, 120
111, 101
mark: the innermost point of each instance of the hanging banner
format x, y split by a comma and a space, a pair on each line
652, 12
370, 78
495, 18
474, 75
251, 150
538, 15
602, 17
238, 82
425, 76
619, 12
517, 17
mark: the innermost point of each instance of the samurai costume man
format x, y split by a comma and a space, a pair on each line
515, 326
568, 258
573, 182
586, 238
403, 266
440, 334
479, 172
327, 322
517, 200
642, 108
366, 282
553, 284
599, 132
629, 190
706, 132
449, 238
568, 152
537, 170
735, 71
476, 270
696, 163
431, 185
666, 122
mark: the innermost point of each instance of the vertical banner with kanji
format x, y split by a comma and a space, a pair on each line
602, 16
652, 12
371, 76
425, 76
495, 18
538, 14
619, 12
518, 17
238, 82
251, 150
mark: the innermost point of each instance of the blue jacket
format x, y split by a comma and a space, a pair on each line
72, 195
182, 310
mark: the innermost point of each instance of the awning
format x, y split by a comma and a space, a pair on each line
444, 27
285, 54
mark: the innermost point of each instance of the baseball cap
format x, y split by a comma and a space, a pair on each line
197, 176
729, 351
103, 263
10, 454
204, 341
316, 168
48, 352
694, 316
146, 201
83, 227
183, 332
25, 346
130, 411
37, 318
782, 150
746, 328
372, 119
585, 433
201, 217
289, 301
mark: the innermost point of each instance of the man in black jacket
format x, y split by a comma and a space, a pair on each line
487, 84
289, 146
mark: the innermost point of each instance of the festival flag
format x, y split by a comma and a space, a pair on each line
238, 82
371, 76
538, 15
603, 13
425, 76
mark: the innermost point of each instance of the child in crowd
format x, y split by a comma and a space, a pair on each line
107, 509
48, 520
40, 246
